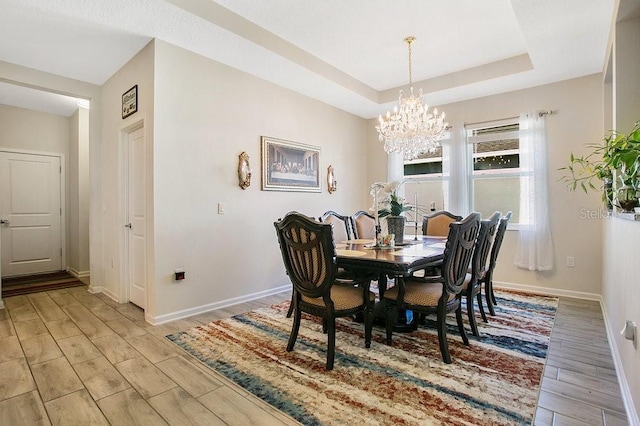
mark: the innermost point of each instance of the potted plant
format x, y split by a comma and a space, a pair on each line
391, 206
615, 163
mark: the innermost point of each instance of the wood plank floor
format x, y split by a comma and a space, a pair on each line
71, 357
580, 386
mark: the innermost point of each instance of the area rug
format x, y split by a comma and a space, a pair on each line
493, 381
14, 286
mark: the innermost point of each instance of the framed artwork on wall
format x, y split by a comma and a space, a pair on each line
130, 102
289, 166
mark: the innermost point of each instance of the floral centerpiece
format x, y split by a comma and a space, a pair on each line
387, 203
391, 204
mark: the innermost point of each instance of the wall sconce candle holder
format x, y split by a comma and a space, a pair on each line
332, 183
244, 170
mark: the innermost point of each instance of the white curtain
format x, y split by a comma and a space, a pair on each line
535, 249
456, 173
395, 167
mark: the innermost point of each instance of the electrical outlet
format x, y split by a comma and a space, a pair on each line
571, 262
179, 274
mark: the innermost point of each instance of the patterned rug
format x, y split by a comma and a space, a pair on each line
14, 286
493, 381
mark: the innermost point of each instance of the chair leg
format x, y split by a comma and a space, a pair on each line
480, 307
368, 324
471, 314
442, 336
294, 330
390, 320
324, 325
290, 311
461, 329
488, 295
331, 348
493, 295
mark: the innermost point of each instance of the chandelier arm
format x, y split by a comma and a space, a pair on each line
410, 73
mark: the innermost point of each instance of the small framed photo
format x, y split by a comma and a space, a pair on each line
130, 101
289, 166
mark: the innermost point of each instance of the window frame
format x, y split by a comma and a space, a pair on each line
512, 172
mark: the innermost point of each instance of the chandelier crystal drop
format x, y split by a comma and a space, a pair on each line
411, 130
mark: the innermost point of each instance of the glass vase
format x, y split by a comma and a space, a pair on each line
395, 226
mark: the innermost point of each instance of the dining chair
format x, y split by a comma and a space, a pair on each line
364, 225
438, 294
472, 286
341, 229
309, 257
341, 225
437, 224
487, 281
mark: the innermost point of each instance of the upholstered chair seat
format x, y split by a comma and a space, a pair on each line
419, 293
343, 298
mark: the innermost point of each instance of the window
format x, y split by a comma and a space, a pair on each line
477, 171
425, 165
426, 183
495, 178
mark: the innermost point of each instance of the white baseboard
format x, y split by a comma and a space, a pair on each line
106, 292
546, 290
96, 289
627, 399
632, 415
78, 274
161, 319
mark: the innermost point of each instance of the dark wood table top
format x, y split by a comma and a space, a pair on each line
360, 257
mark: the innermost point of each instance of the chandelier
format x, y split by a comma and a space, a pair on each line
411, 130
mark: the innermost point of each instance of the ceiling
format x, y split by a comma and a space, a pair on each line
349, 54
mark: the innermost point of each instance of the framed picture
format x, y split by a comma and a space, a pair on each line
130, 102
289, 166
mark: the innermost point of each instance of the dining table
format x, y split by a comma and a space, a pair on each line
371, 263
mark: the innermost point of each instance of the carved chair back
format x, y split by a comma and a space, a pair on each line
497, 243
458, 252
308, 253
486, 236
437, 224
364, 225
341, 225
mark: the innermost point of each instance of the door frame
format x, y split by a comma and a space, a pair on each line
63, 199
123, 197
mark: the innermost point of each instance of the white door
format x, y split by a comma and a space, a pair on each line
136, 214
30, 213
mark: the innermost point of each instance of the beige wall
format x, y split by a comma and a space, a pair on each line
33, 131
38, 132
622, 237
575, 218
78, 194
25, 129
626, 74
621, 294
199, 116
139, 70
16, 74
206, 114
